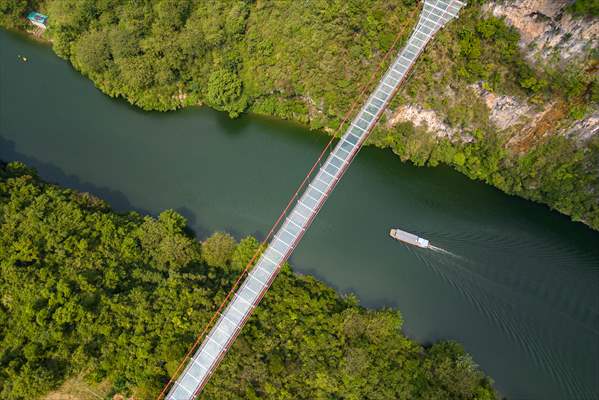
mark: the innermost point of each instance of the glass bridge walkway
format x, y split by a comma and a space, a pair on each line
435, 14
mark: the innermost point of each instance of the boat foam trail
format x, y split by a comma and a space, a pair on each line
443, 251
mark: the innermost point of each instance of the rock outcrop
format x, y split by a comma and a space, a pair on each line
505, 111
421, 117
546, 29
583, 130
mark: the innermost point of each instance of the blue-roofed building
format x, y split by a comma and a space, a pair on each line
37, 19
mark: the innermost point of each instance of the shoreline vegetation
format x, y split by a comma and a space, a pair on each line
307, 63
98, 302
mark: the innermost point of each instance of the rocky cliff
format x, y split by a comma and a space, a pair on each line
548, 35
507, 94
530, 123
547, 29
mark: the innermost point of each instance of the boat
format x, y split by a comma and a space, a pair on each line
409, 238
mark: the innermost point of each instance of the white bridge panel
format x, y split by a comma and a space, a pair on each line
434, 15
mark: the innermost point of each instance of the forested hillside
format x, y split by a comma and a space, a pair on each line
480, 99
110, 302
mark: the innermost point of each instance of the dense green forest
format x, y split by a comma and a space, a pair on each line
306, 61
585, 8
116, 299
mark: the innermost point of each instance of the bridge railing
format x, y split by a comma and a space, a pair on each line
434, 15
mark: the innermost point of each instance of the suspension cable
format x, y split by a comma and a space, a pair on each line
258, 251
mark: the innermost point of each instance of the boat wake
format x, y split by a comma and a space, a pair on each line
498, 302
443, 251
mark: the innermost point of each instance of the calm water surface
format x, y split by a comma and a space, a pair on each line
521, 292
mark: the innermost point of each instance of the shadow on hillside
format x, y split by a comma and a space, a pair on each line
54, 174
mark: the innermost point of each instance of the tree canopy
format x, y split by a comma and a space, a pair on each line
118, 298
307, 61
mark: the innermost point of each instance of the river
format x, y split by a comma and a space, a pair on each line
521, 291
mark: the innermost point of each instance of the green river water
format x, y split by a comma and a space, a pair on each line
521, 293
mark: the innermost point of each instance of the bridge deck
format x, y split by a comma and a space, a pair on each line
435, 14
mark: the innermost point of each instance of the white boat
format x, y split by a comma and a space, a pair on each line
409, 238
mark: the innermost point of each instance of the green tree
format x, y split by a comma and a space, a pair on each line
584, 8
12, 12
225, 92
119, 298
218, 249
92, 52
244, 252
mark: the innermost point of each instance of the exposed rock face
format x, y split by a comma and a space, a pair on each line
541, 123
583, 130
548, 35
422, 118
530, 123
505, 111
546, 29
533, 122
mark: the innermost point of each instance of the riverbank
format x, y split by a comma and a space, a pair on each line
482, 106
120, 297
527, 275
